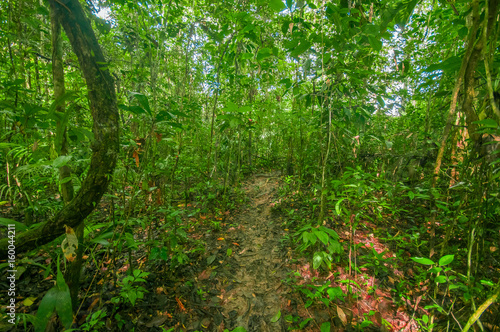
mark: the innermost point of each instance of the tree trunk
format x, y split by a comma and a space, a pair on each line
104, 110
72, 275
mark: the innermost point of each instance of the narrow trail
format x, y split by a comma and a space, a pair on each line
250, 287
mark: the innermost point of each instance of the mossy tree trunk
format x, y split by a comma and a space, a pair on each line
102, 97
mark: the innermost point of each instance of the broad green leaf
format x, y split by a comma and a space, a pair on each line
276, 317
143, 100
18, 226
317, 260
309, 238
61, 161
322, 236
264, 53
45, 309
276, 5
422, 260
301, 48
249, 27
239, 329
132, 296
375, 43
489, 123
335, 293
435, 269
451, 65
68, 96
330, 232
246, 56
411, 195
445, 260
325, 327
440, 279
304, 322
64, 308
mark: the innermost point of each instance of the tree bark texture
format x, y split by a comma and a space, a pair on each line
104, 110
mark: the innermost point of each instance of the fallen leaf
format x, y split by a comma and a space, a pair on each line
342, 316
157, 321
220, 239
179, 303
93, 304
29, 301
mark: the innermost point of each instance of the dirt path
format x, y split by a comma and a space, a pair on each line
251, 289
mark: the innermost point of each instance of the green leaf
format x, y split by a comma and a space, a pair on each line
337, 206
325, 327
489, 123
211, 259
61, 100
276, 5
487, 283
246, 56
411, 195
422, 260
445, 260
132, 296
440, 279
143, 100
45, 309
435, 269
322, 236
317, 260
61, 161
229, 252
309, 238
304, 322
375, 43
64, 308
381, 101
18, 226
335, 293
301, 48
276, 317
239, 329
330, 232
264, 53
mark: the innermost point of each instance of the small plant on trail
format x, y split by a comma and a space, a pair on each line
95, 322
324, 249
324, 293
377, 262
131, 289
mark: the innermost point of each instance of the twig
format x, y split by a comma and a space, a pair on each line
475, 316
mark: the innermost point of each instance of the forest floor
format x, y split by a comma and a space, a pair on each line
245, 274
253, 286
251, 289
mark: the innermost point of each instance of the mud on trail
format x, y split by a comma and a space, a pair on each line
250, 287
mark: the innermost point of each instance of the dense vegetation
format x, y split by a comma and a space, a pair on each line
131, 132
